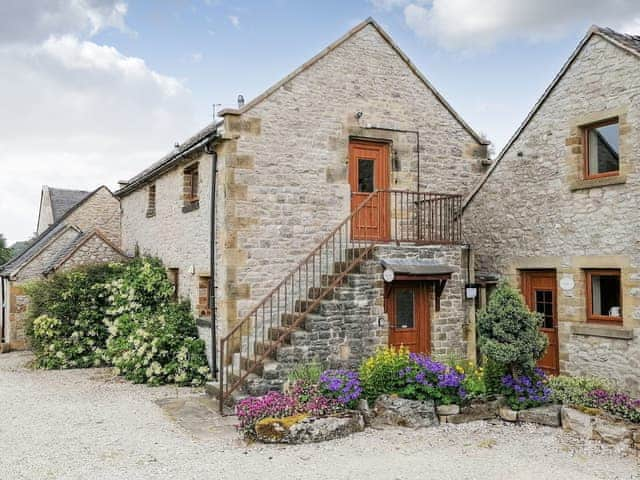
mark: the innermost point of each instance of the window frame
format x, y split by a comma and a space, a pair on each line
585, 142
151, 200
589, 274
191, 197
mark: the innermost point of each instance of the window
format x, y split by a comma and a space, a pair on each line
190, 188
602, 149
151, 200
604, 296
365, 175
174, 275
404, 308
204, 296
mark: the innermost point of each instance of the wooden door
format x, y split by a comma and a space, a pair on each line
369, 172
407, 306
539, 290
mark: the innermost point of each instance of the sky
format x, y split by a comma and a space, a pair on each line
93, 91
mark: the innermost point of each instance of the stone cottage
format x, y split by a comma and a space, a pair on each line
320, 184
557, 213
74, 228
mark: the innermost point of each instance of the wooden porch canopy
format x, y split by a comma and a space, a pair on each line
415, 269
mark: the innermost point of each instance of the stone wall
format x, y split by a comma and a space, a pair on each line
101, 210
536, 212
92, 251
18, 305
35, 267
180, 238
450, 327
285, 161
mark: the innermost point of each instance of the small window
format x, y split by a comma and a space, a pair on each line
602, 149
604, 296
204, 296
365, 175
190, 188
151, 201
404, 308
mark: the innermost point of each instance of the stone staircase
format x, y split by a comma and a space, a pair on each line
336, 332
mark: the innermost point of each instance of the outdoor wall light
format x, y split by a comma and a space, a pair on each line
471, 290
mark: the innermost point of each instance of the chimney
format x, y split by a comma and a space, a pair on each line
240, 101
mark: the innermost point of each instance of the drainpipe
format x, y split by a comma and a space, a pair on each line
212, 260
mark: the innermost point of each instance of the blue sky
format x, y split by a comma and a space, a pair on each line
93, 91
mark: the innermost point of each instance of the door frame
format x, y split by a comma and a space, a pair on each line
382, 181
422, 303
526, 287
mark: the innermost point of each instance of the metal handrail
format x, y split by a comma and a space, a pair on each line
395, 215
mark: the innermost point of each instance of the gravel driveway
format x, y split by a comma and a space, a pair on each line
86, 424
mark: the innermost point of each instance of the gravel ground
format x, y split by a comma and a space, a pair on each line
86, 424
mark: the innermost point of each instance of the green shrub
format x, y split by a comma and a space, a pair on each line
307, 373
380, 374
119, 314
509, 333
142, 284
158, 347
493, 373
66, 317
574, 390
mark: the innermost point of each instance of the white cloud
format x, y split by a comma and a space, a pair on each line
388, 4
196, 57
235, 20
467, 24
76, 114
34, 20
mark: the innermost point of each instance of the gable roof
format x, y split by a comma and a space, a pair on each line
629, 43
42, 240
210, 132
62, 200
192, 143
66, 253
369, 21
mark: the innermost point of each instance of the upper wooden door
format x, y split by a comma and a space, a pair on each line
539, 290
369, 172
407, 306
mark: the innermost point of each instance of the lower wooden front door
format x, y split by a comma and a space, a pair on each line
407, 306
539, 290
369, 172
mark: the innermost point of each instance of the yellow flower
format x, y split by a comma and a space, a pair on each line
459, 369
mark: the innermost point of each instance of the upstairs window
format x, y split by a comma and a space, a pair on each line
604, 296
602, 149
190, 188
151, 200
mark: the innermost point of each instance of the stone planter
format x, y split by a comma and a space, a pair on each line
401, 412
548, 415
479, 409
507, 414
445, 410
303, 429
595, 425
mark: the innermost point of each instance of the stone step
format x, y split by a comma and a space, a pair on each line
315, 293
213, 390
339, 267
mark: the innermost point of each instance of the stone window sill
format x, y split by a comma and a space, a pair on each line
203, 322
191, 206
583, 184
605, 331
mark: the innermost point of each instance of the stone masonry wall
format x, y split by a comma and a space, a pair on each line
94, 250
18, 305
535, 211
35, 268
102, 210
286, 161
180, 239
